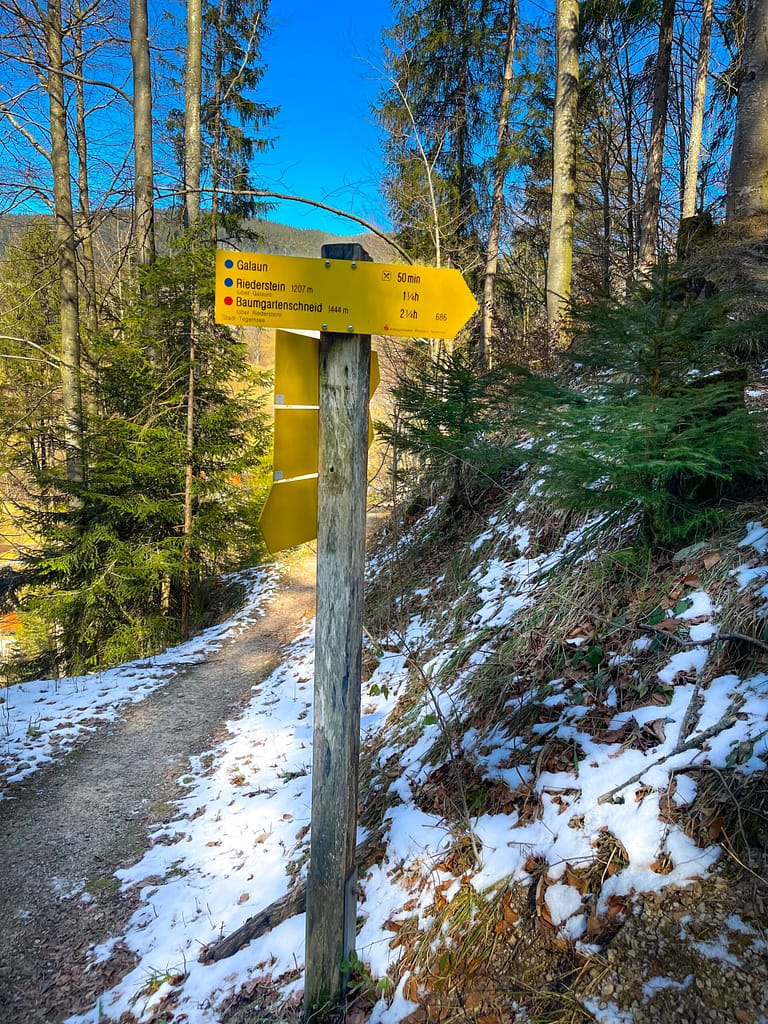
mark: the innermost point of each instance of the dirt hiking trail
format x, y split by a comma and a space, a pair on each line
66, 829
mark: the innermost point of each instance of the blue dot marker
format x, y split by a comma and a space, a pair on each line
228, 282
229, 264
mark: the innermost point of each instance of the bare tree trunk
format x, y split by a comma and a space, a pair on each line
485, 352
628, 106
680, 121
144, 213
748, 175
604, 135
65, 239
697, 112
85, 225
605, 203
215, 125
651, 209
560, 260
189, 478
192, 172
193, 91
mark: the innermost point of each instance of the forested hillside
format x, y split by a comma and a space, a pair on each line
555, 158
566, 616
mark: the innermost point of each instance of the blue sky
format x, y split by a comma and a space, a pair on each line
324, 72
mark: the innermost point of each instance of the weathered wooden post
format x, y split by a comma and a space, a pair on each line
342, 485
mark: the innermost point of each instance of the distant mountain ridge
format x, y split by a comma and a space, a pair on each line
266, 236
282, 240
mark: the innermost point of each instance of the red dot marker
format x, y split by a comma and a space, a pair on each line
228, 300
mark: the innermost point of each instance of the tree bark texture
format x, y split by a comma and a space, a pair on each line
748, 176
193, 91
87, 257
342, 487
624, 79
651, 208
65, 240
484, 353
215, 122
560, 259
697, 112
144, 211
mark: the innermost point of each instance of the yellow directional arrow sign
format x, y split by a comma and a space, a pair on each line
341, 296
289, 516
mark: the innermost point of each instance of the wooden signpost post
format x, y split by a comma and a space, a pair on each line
341, 511
347, 298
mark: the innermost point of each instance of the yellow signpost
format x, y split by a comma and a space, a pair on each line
340, 296
297, 368
289, 516
320, 490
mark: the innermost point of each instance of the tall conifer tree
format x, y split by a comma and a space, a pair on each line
233, 119
445, 65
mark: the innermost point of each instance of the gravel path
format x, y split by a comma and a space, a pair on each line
73, 824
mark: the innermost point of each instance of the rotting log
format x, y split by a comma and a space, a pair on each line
289, 905
292, 903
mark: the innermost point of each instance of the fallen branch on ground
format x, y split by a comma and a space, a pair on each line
681, 641
725, 722
288, 905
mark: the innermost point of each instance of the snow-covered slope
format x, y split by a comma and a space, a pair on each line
530, 727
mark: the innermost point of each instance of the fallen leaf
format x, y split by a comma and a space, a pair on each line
542, 909
617, 906
715, 828
411, 990
656, 730
356, 1013
418, 1016
595, 926
668, 625
574, 879
511, 916
662, 865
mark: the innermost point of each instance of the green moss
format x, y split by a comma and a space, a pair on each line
102, 884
